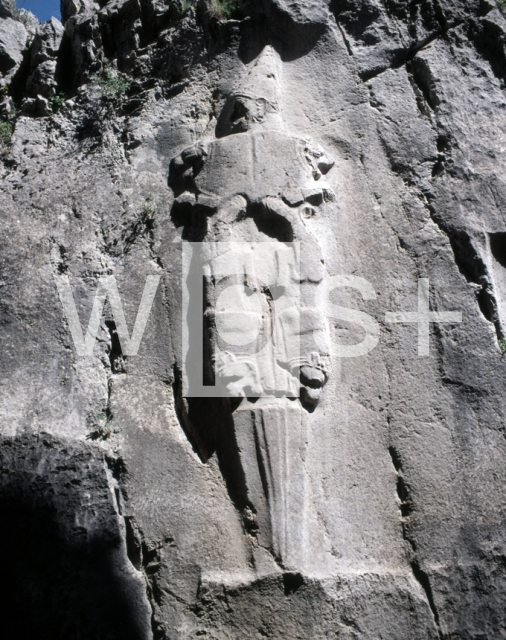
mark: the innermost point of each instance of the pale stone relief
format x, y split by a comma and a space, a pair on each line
258, 183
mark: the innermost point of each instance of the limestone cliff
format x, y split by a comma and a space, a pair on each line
356, 490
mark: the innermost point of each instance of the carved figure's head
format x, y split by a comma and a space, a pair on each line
256, 103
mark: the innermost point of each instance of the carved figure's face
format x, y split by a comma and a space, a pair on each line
243, 113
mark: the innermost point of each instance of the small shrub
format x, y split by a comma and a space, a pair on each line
21, 15
14, 113
103, 428
223, 8
502, 344
143, 224
111, 83
501, 5
183, 6
148, 211
6, 130
57, 101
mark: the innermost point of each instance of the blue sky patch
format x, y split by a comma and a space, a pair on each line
43, 9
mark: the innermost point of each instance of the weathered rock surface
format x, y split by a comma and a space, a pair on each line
44, 51
12, 43
373, 134
6, 9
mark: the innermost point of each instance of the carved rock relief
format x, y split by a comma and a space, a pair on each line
259, 183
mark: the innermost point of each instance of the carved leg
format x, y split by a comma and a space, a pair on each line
272, 443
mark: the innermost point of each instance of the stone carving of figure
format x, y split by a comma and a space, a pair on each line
257, 183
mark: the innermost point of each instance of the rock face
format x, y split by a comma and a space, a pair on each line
342, 163
43, 60
6, 9
12, 42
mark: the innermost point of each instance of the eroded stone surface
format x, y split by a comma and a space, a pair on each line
373, 134
12, 43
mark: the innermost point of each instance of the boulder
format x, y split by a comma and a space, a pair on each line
12, 43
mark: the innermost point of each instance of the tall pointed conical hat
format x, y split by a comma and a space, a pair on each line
264, 77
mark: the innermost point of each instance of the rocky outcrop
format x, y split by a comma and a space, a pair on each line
6, 9
42, 79
340, 159
71, 8
12, 43
69, 522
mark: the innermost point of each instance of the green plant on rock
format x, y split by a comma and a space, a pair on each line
143, 223
57, 101
103, 428
14, 111
149, 208
183, 6
222, 8
6, 130
21, 15
501, 5
502, 344
146, 218
111, 84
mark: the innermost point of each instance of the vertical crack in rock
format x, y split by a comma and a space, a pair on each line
406, 508
113, 469
419, 83
133, 543
345, 39
142, 559
424, 581
474, 269
187, 415
148, 561
115, 354
478, 257
112, 361
497, 292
